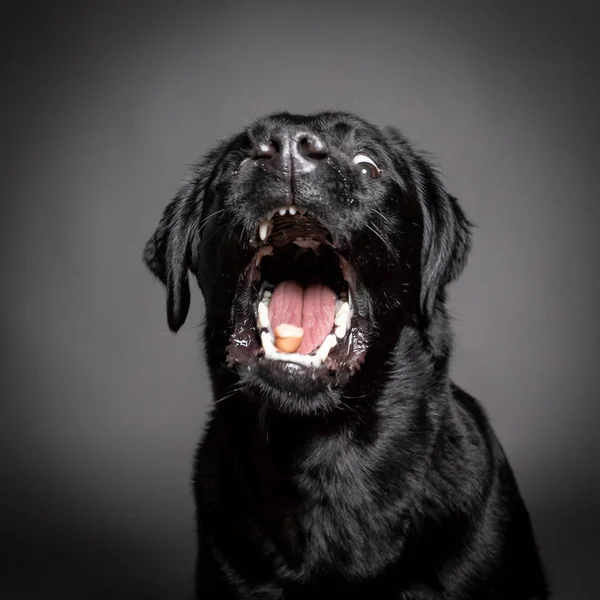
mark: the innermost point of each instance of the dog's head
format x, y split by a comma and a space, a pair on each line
314, 240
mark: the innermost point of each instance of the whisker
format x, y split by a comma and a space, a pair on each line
204, 222
226, 397
230, 394
219, 230
376, 232
245, 235
381, 215
192, 327
353, 410
235, 388
183, 330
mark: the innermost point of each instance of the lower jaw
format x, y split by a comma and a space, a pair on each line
246, 353
294, 390
251, 344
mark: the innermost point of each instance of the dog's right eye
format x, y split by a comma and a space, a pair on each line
366, 165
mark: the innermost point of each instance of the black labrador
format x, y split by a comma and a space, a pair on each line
339, 460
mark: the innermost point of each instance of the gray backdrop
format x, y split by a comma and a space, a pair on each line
105, 106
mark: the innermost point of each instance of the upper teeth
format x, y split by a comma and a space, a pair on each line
263, 228
263, 314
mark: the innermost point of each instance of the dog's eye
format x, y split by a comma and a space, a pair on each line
366, 165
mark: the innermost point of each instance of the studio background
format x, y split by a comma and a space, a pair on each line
105, 105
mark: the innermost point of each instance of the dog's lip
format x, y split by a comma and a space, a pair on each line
293, 370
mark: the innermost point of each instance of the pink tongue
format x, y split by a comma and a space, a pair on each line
312, 308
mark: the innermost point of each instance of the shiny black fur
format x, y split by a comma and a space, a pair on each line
386, 484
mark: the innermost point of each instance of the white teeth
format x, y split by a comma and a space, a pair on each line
267, 295
328, 343
342, 316
306, 360
263, 316
340, 332
263, 230
267, 344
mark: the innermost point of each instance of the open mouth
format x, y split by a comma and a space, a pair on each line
295, 300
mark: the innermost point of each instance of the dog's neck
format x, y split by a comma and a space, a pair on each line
378, 402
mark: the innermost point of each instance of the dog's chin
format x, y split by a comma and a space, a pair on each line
291, 388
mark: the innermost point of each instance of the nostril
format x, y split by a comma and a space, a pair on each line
266, 150
275, 144
311, 147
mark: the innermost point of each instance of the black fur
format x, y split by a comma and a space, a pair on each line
382, 482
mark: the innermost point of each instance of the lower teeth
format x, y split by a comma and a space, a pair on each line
306, 360
317, 358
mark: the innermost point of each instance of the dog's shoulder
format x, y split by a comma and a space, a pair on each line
471, 412
480, 446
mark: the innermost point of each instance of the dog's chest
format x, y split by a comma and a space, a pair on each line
341, 523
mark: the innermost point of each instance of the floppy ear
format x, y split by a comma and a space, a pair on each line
170, 251
446, 230
446, 243
167, 254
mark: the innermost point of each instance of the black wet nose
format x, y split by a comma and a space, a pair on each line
291, 150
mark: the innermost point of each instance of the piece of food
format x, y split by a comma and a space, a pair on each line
288, 337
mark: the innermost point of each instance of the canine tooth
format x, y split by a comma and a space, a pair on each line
329, 342
292, 210
340, 331
268, 345
263, 229
342, 316
263, 316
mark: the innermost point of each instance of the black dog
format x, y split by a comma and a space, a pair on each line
340, 460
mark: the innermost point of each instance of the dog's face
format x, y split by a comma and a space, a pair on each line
315, 240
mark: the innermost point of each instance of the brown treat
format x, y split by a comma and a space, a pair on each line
288, 338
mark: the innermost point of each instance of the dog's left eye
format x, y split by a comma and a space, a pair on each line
366, 165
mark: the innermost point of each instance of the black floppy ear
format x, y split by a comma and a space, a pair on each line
446, 243
446, 230
170, 251
167, 253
